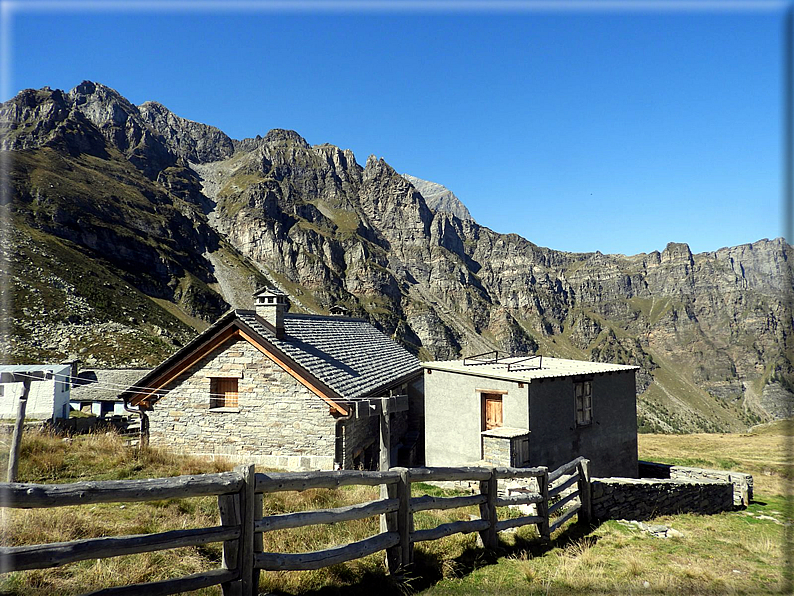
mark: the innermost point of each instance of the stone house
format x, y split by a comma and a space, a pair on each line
48, 398
534, 411
284, 390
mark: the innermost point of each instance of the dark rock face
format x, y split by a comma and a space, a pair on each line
710, 333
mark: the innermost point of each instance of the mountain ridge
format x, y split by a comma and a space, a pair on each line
207, 218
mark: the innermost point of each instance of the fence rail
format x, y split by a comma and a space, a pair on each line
243, 524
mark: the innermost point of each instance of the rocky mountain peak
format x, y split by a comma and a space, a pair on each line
282, 135
439, 197
677, 252
192, 141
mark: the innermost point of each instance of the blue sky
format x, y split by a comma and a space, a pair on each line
580, 130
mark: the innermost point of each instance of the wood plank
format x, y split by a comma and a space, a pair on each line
565, 469
553, 492
561, 520
188, 583
523, 499
283, 521
503, 472
324, 558
114, 491
42, 556
427, 502
444, 530
449, 474
517, 522
562, 502
282, 481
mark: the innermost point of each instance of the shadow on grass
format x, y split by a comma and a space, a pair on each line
430, 567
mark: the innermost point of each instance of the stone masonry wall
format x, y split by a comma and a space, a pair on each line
496, 450
742, 483
278, 422
646, 498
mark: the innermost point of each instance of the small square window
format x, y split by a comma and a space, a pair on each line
223, 392
583, 396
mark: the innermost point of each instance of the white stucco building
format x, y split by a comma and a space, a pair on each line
48, 398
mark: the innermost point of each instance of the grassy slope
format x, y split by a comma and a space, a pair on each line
735, 552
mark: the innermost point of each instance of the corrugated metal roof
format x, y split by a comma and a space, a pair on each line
550, 367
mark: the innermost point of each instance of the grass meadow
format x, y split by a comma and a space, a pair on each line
737, 552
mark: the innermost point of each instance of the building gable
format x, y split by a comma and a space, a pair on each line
150, 389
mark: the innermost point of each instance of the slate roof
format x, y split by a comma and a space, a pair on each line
349, 356
103, 384
551, 367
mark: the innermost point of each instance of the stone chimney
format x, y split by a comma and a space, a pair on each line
271, 306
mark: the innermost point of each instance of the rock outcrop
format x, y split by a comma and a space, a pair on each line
202, 217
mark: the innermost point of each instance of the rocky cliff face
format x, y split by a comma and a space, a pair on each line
439, 197
199, 212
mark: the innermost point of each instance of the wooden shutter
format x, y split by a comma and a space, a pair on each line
492, 411
224, 393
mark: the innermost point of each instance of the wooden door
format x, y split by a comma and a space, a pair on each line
492, 411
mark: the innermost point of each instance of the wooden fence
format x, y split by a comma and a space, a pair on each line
242, 523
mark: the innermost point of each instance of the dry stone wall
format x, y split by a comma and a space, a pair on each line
278, 422
646, 498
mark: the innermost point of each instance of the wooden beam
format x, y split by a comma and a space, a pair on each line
449, 474
281, 481
518, 522
42, 556
177, 585
176, 369
444, 530
284, 521
303, 377
426, 503
113, 491
324, 558
16, 438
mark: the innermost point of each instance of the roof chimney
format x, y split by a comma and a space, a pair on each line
271, 306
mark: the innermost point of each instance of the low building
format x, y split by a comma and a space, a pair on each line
98, 391
284, 390
534, 411
48, 398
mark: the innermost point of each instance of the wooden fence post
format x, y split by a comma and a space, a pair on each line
405, 517
488, 487
585, 512
543, 506
238, 510
392, 522
259, 544
16, 438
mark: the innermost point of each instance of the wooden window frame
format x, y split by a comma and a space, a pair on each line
221, 397
583, 402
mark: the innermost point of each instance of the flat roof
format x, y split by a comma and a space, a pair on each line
520, 368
